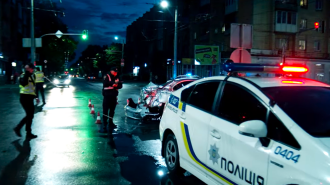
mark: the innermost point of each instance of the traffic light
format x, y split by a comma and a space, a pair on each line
84, 34
71, 69
316, 26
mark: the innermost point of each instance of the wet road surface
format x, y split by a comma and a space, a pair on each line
69, 149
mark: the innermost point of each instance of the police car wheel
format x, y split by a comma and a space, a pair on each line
172, 155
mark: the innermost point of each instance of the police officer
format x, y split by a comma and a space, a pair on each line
27, 95
40, 84
111, 84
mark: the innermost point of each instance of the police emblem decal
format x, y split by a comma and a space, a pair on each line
214, 153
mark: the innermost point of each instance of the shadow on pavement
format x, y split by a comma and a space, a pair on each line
16, 172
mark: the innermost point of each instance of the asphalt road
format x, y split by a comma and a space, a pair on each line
69, 149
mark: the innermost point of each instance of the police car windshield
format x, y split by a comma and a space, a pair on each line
307, 106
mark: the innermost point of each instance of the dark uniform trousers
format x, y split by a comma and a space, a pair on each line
28, 105
40, 87
109, 106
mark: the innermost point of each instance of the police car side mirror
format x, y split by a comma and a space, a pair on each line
253, 128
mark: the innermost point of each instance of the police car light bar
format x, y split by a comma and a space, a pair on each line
239, 67
292, 82
295, 69
263, 68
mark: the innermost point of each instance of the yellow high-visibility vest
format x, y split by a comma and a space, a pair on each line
39, 77
29, 88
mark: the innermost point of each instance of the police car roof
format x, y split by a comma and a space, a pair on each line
279, 81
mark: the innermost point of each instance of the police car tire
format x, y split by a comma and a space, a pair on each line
176, 169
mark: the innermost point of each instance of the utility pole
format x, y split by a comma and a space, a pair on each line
122, 57
283, 51
175, 42
33, 48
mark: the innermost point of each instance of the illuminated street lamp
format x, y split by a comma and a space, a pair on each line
165, 4
122, 54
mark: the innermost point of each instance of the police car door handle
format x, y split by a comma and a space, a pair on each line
277, 164
215, 134
183, 116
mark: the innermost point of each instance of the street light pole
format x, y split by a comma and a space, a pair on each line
33, 49
175, 42
122, 57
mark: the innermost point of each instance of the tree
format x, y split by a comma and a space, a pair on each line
99, 58
53, 49
113, 55
89, 58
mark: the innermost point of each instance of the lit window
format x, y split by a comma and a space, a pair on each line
195, 35
302, 44
303, 24
223, 28
216, 30
318, 4
317, 45
304, 3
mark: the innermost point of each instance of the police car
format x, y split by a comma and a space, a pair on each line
250, 130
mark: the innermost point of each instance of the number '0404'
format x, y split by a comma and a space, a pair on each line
289, 155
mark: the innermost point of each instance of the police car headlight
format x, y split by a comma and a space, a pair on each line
67, 81
56, 81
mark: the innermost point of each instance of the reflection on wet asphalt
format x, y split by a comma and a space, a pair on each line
69, 149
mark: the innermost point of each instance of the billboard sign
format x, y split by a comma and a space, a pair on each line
206, 55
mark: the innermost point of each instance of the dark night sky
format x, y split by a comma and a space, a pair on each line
102, 18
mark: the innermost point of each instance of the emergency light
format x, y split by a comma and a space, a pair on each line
264, 68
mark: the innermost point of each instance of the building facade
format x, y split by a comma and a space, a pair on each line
283, 30
14, 25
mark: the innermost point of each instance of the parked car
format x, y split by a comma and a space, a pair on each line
91, 77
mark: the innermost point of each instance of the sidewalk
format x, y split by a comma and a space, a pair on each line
9, 86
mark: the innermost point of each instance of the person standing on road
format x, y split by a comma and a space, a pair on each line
27, 95
40, 84
111, 84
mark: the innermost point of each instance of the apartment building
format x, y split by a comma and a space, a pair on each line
14, 25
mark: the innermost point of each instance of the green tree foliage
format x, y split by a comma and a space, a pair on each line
53, 49
100, 58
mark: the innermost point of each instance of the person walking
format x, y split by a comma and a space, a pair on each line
40, 84
27, 95
111, 84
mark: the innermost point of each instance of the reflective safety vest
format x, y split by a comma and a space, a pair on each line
29, 88
39, 77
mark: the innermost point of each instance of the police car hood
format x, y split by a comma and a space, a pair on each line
325, 141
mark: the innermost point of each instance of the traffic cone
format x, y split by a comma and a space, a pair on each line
89, 103
92, 110
98, 119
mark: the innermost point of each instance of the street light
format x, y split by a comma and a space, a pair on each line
122, 55
165, 4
